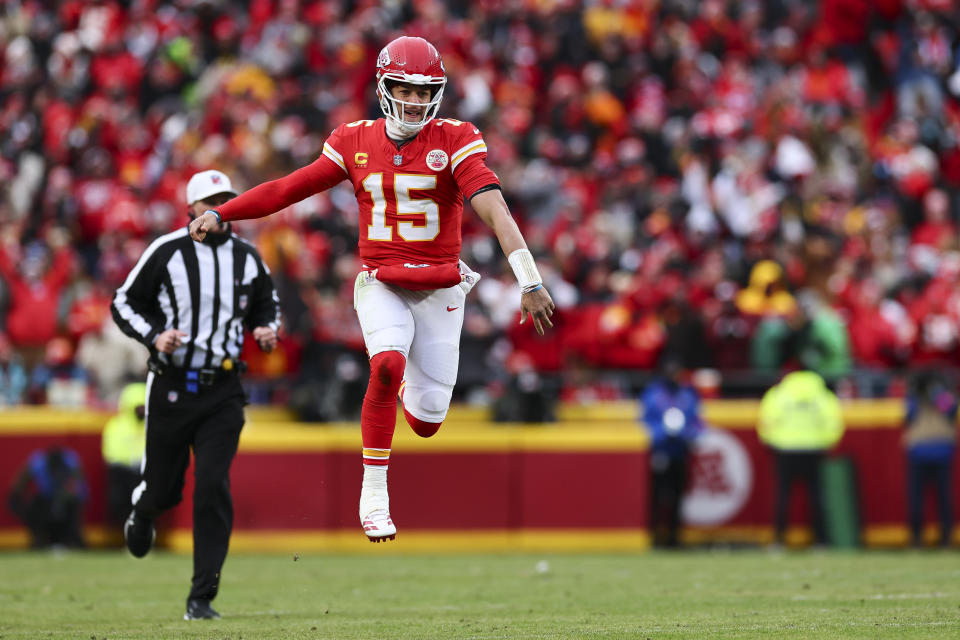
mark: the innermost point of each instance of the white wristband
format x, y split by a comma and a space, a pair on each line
525, 269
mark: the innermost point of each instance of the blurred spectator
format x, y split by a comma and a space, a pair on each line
800, 421
685, 340
528, 396
58, 380
36, 278
13, 375
937, 231
930, 441
111, 359
811, 337
882, 334
670, 409
123, 443
632, 136
48, 495
318, 396
766, 295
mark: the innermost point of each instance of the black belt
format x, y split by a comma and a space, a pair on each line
203, 377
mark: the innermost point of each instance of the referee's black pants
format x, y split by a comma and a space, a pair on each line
208, 418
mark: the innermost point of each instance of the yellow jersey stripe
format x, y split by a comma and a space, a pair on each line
477, 147
466, 147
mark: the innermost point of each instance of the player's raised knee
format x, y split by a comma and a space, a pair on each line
435, 403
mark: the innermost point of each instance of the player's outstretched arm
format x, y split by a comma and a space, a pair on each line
535, 300
270, 197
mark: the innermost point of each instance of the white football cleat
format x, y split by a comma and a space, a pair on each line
375, 505
378, 526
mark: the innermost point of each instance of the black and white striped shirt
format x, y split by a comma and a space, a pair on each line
208, 290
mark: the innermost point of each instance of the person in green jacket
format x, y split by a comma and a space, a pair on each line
813, 336
800, 420
123, 442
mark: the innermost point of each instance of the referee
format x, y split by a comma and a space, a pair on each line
189, 303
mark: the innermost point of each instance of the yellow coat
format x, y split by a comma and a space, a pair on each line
125, 436
800, 414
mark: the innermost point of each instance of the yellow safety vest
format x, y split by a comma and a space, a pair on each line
124, 436
800, 414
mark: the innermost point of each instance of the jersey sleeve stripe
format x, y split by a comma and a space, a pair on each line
333, 155
469, 150
466, 147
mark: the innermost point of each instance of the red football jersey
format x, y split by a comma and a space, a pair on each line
411, 197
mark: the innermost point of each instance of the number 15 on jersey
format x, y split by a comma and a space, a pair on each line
409, 230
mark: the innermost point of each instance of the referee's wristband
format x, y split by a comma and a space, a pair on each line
215, 213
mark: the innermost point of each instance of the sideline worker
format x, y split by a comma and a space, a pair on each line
800, 419
123, 441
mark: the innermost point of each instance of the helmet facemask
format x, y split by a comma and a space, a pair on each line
394, 109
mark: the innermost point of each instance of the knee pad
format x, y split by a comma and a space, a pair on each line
386, 374
429, 406
434, 401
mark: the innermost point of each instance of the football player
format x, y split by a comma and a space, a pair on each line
410, 171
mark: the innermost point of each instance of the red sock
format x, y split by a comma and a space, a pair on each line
421, 428
378, 418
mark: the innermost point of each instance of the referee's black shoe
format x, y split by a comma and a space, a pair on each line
139, 534
198, 609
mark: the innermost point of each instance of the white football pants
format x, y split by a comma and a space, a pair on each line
422, 325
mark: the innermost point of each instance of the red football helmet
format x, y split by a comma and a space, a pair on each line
411, 61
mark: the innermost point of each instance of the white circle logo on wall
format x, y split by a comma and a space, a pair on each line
721, 478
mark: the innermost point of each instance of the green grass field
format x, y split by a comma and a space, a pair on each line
743, 594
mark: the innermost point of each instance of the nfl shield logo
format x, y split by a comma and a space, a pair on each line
397, 160
242, 301
172, 396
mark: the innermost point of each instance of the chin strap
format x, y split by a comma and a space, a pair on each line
396, 132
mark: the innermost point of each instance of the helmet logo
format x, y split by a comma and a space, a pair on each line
383, 59
437, 160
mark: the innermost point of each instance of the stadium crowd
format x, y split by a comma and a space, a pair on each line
728, 184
